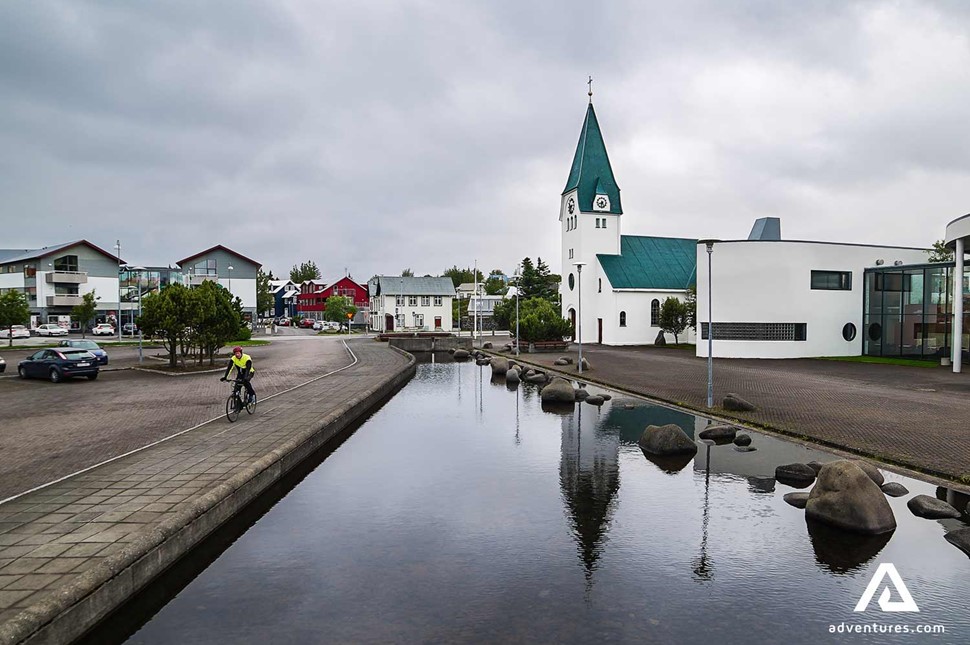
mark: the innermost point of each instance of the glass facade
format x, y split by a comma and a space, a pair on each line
908, 311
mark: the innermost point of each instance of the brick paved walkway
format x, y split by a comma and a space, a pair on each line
59, 543
910, 416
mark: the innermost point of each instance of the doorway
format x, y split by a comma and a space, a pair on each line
599, 331
388, 322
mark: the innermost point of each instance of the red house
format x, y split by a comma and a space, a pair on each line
311, 302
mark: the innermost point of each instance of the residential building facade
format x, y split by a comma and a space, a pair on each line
314, 304
410, 304
232, 270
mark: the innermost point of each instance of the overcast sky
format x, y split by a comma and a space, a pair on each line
375, 136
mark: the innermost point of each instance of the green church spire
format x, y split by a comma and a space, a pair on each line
591, 172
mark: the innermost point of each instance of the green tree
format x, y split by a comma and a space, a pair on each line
407, 273
84, 312
673, 317
940, 253
539, 320
459, 276
336, 309
171, 315
217, 319
691, 304
265, 302
14, 310
459, 309
495, 284
306, 271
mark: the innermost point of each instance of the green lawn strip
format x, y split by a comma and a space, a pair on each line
881, 360
248, 343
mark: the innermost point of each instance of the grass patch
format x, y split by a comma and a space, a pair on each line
675, 346
248, 343
881, 360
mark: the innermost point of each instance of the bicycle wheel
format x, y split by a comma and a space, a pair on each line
232, 408
251, 405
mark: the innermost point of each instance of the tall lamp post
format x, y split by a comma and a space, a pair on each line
230, 280
710, 327
516, 314
579, 314
118, 317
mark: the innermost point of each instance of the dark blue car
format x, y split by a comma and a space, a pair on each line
89, 345
59, 363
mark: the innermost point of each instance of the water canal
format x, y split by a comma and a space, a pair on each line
461, 511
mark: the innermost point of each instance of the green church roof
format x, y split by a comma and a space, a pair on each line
651, 263
591, 172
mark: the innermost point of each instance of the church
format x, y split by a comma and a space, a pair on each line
612, 284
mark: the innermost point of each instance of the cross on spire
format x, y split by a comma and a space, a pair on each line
590, 83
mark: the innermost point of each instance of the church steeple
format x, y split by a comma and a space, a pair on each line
591, 173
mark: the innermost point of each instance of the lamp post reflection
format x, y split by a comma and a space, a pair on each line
702, 566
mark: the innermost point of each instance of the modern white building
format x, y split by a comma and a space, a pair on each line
612, 284
410, 304
773, 298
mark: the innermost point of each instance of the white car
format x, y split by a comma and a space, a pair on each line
17, 331
51, 329
103, 329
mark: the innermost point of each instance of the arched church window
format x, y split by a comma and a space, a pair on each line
655, 313
622, 319
572, 282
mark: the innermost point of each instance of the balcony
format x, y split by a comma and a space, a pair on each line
64, 300
195, 280
66, 277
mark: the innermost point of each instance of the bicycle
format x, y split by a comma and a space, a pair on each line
235, 403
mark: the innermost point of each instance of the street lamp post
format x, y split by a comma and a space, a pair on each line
579, 314
118, 317
710, 328
516, 313
230, 280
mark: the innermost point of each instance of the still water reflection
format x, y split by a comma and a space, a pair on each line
462, 511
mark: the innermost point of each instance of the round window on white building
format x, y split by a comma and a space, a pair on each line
572, 282
848, 332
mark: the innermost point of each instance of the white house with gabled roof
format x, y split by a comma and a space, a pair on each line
405, 303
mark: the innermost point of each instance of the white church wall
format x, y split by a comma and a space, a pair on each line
770, 282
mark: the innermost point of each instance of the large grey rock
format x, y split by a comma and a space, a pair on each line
894, 489
847, 498
560, 362
536, 377
512, 376
500, 366
585, 364
798, 500
746, 449
719, 433
461, 354
566, 360
815, 465
661, 339
559, 390
668, 439
742, 440
483, 361
581, 394
795, 475
596, 399
931, 508
606, 397
735, 403
872, 471
960, 538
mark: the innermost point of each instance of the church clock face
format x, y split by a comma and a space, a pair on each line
570, 205
601, 202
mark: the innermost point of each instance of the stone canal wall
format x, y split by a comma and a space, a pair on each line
430, 344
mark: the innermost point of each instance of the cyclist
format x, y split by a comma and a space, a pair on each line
244, 370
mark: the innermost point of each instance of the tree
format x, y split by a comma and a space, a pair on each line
539, 320
14, 310
495, 283
170, 314
940, 253
218, 319
407, 273
459, 276
673, 317
306, 271
265, 301
336, 309
84, 312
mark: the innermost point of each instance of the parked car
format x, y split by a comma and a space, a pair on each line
306, 323
283, 322
17, 331
89, 345
59, 363
103, 329
50, 329
318, 325
333, 325
129, 328
3, 365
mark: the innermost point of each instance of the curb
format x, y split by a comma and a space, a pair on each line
81, 605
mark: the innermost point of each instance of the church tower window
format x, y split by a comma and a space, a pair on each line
655, 313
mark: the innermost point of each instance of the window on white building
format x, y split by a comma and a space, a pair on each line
599, 287
419, 320
437, 301
604, 222
832, 280
655, 313
622, 319
597, 222
425, 301
412, 301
